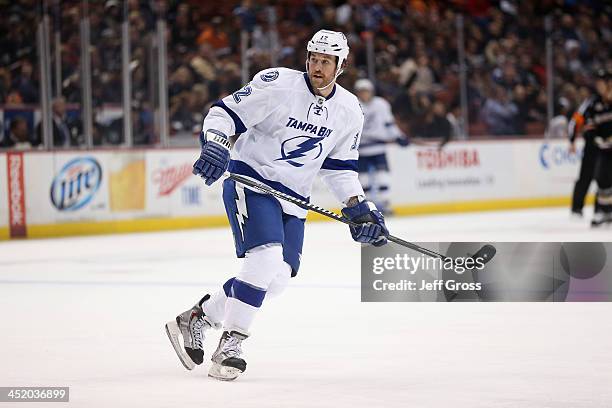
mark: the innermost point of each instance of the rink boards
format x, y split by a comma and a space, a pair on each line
48, 194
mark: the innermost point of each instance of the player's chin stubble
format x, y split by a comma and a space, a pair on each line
319, 82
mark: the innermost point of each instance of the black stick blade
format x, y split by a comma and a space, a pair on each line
487, 253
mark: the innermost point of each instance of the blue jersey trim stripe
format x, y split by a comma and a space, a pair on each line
335, 164
240, 128
247, 293
240, 167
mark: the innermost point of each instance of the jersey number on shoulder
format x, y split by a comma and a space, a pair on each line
246, 91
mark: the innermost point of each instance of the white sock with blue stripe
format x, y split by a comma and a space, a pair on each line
260, 268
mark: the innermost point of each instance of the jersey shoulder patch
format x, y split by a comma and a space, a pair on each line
269, 75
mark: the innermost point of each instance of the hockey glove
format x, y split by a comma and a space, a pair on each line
215, 156
372, 228
402, 141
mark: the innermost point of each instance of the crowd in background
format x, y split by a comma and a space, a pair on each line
415, 51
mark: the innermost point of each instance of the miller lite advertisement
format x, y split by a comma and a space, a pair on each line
76, 184
78, 190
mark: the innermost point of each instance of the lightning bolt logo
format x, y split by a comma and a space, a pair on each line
241, 213
305, 146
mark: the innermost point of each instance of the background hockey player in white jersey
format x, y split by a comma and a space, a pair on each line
379, 130
292, 126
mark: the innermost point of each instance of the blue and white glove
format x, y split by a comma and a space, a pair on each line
372, 228
215, 156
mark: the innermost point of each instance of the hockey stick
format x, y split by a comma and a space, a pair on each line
486, 252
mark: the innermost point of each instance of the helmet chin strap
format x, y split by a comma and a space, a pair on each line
331, 82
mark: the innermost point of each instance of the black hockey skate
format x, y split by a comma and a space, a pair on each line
227, 361
190, 326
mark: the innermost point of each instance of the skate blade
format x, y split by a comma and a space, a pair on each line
223, 373
174, 334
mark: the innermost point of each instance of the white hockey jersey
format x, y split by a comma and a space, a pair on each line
379, 127
289, 135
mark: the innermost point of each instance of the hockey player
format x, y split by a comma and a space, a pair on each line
292, 126
379, 129
594, 119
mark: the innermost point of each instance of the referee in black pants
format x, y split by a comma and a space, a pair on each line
594, 119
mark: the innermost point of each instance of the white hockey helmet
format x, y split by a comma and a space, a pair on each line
364, 84
330, 43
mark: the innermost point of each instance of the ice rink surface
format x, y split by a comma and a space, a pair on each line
89, 313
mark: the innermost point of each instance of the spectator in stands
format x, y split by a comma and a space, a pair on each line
499, 113
558, 126
454, 119
435, 123
247, 14
17, 34
18, 136
66, 132
184, 30
24, 83
142, 127
519, 96
417, 75
214, 35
